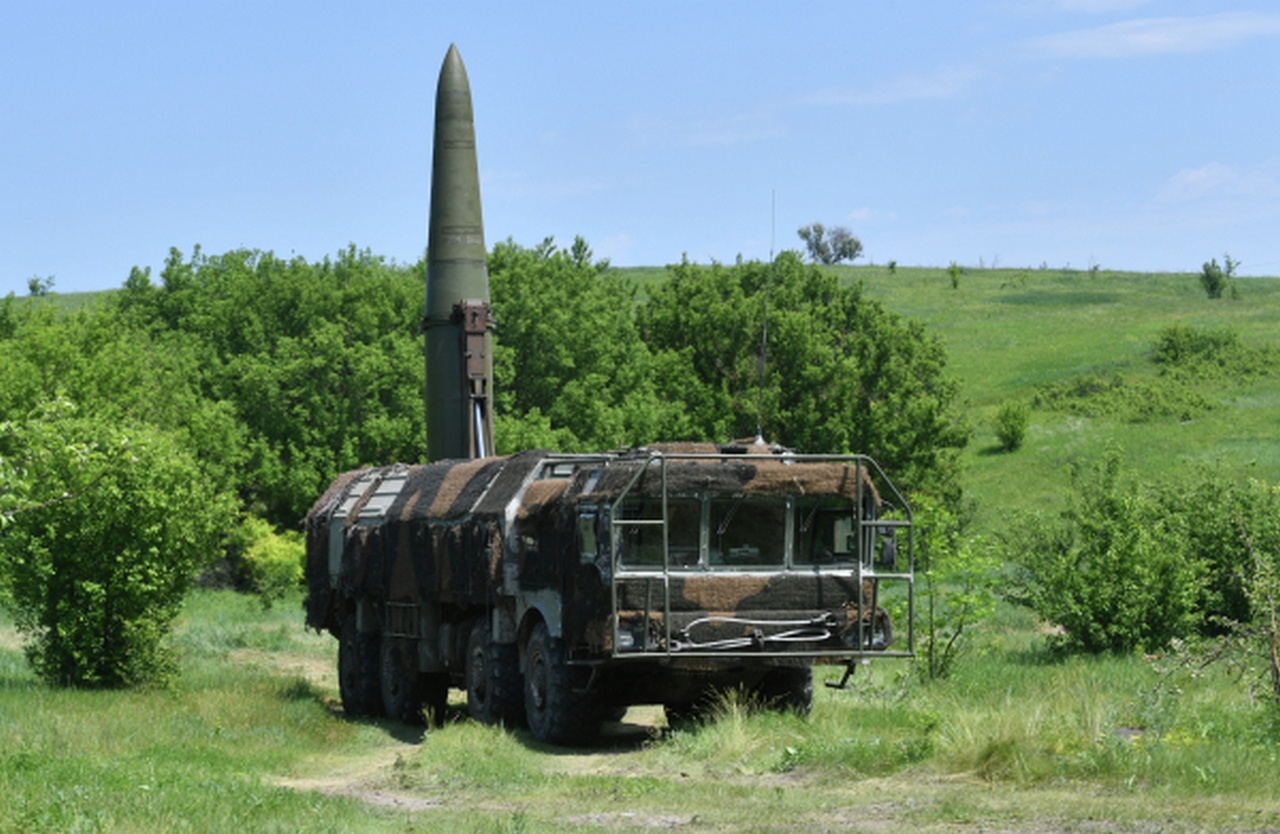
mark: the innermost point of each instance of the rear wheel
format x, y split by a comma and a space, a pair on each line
434, 687
494, 692
358, 679
402, 692
559, 707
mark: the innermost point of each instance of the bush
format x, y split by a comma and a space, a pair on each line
1215, 279
1011, 425
272, 562
959, 576
96, 562
1140, 401
1116, 571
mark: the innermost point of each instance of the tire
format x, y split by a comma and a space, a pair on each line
358, 667
434, 688
682, 715
787, 689
401, 687
559, 709
495, 692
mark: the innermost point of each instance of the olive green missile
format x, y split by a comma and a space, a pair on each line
457, 325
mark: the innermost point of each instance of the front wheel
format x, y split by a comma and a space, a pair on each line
557, 704
787, 689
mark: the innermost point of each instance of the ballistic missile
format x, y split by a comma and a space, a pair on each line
457, 325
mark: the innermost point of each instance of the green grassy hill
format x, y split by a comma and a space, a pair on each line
1010, 332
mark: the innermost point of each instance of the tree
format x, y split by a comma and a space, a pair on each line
840, 373
1216, 279
829, 246
320, 364
38, 286
108, 524
572, 372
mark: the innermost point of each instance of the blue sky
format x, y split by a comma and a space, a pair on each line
1130, 134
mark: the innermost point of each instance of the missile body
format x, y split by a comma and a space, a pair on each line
457, 324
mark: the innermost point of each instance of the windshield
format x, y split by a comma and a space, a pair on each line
824, 531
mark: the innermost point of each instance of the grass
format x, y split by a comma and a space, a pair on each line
1010, 332
251, 738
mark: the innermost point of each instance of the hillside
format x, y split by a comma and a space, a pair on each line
1009, 332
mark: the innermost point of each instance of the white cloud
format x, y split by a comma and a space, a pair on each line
1157, 36
941, 83
1260, 181
1100, 6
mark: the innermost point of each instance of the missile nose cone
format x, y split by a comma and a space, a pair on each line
455, 242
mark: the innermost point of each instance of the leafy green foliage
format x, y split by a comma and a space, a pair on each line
829, 246
94, 567
270, 562
319, 364
1216, 279
1116, 571
1184, 355
572, 372
37, 286
1134, 401
1185, 352
960, 575
842, 374
1011, 423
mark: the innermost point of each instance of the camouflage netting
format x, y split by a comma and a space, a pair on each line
452, 489
739, 476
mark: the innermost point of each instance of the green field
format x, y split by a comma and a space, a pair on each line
1011, 331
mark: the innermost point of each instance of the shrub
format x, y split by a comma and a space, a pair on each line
1116, 571
95, 565
266, 562
960, 575
953, 272
1215, 279
1091, 395
1011, 425
272, 562
1183, 344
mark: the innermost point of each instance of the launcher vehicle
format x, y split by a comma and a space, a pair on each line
560, 589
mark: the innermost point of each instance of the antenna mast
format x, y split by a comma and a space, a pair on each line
764, 331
